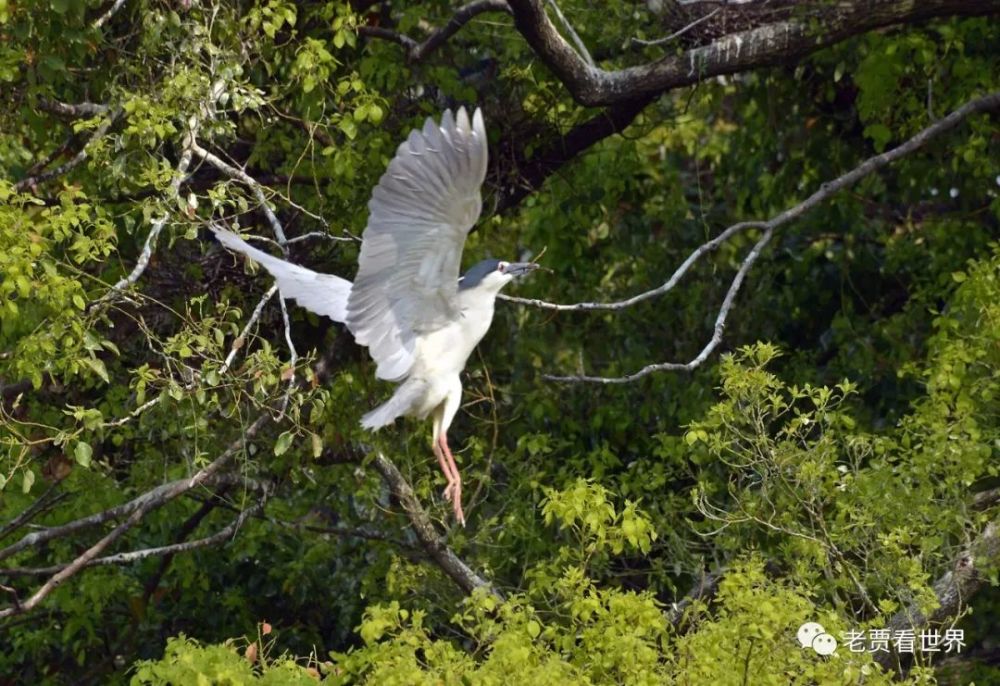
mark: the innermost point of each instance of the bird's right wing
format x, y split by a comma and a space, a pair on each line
411, 251
323, 294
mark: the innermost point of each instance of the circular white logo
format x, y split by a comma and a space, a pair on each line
824, 644
809, 631
813, 635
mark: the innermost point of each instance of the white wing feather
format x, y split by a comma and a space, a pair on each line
323, 294
419, 216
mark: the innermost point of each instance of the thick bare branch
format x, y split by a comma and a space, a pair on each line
418, 51
987, 103
423, 527
795, 34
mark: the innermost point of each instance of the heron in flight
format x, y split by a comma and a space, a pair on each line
419, 319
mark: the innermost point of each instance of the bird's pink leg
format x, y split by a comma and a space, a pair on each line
454, 489
445, 468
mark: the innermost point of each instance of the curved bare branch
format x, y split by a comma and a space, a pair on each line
986, 103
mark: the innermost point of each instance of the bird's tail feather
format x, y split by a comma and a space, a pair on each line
323, 294
401, 402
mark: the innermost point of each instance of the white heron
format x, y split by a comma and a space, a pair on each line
419, 319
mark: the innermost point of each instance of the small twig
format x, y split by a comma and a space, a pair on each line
574, 36
241, 339
103, 19
135, 555
676, 34
347, 532
417, 51
43, 503
249, 181
320, 234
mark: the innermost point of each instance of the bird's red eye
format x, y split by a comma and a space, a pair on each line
502, 267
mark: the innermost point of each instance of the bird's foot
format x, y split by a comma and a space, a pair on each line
453, 494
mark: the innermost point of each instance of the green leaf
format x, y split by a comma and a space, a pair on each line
534, 629
98, 367
83, 453
283, 443
27, 480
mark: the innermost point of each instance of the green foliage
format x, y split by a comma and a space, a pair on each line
187, 662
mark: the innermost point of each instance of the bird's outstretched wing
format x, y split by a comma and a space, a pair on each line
323, 294
411, 251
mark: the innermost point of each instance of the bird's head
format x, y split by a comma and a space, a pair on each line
492, 275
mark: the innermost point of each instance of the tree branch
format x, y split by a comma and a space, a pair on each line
75, 161
418, 51
429, 538
574, 36
43, 503
153, 498
533, 172
795, 34
104, 18
136, 510
72, 110
136, 555
986, 103
953, 590
249, 181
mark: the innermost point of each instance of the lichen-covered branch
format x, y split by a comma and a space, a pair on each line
423, 527
783, 37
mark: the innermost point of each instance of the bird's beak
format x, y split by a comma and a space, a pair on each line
521, 268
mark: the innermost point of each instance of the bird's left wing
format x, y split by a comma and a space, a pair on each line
411, 251
323, 294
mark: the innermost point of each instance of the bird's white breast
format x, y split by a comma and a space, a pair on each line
445, 351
